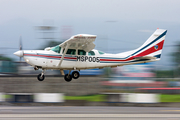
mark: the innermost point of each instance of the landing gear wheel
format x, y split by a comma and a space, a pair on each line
75, 74
40, 77
68, 78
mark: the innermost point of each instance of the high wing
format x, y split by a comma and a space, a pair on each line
80, 41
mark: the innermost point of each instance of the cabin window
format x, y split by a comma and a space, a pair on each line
91, 53
56, 49
71, 51
100, 52
81, 52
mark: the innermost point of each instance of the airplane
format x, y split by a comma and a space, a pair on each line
78, 53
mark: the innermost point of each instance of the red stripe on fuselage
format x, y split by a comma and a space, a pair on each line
151, 50
144, 53
114, 60
42, 56
72, 58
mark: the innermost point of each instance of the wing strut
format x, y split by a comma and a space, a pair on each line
67, 46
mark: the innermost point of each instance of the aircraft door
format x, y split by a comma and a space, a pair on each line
70, 59
81, 59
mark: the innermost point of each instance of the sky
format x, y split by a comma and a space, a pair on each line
120, 25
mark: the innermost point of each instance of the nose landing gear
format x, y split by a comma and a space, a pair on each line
41, 76
36, 68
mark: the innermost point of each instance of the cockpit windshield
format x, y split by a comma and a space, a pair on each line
100, 52
56, 49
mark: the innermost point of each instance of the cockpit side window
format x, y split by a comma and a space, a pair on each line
71, 51
91, 53
56, 49
81, 52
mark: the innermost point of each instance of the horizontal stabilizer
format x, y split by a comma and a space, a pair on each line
145, 57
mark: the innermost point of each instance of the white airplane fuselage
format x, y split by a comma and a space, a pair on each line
50, 59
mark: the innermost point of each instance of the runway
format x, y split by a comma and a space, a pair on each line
85, 113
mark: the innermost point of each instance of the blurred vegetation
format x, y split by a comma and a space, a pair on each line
176, 59
7, 65
170, 98
164, 73
92, 98
3, 58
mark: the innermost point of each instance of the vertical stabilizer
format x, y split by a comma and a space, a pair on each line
153, 46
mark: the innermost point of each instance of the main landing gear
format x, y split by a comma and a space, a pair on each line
41, 76
68, 77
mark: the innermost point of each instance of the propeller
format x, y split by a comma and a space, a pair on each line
20, 46
20, 52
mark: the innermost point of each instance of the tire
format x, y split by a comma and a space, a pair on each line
75, 74
40, 78
67, 78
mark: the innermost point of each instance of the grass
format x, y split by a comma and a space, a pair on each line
92, 98
170, 98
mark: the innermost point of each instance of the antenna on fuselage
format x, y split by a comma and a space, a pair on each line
20, 45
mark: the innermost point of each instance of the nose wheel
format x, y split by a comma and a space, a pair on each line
41, 76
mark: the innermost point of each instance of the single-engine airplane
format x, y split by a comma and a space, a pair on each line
78, 53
